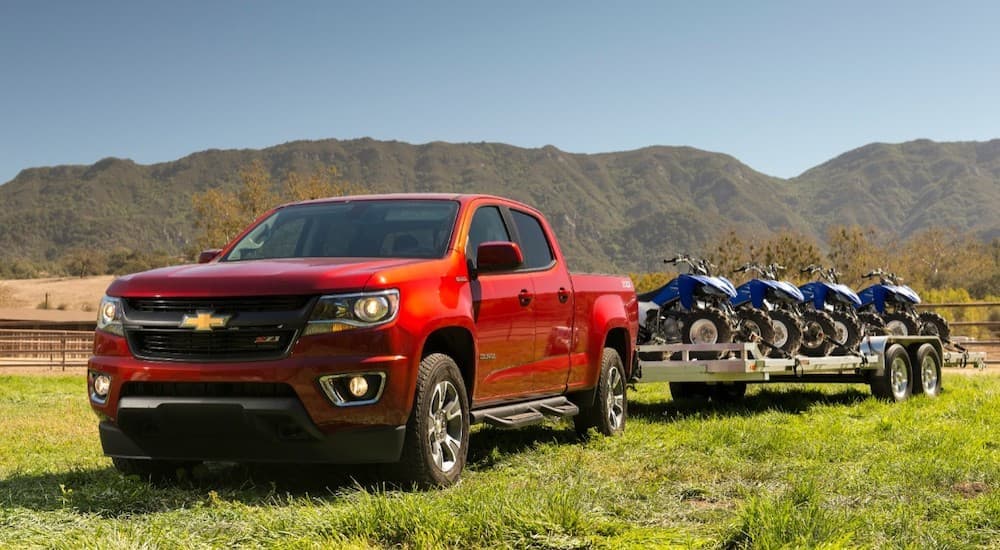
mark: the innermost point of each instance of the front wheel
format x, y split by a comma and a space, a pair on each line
846, 330
817, 331
871, 323
437, 434
610, 407
706, 326
896, 381
932, 324
755, 325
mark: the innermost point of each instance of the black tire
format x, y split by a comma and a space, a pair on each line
932, 324
152, 470
609, 410
690, 391
755, 325
817, 331
871, 323
900, 324
847, 331
896, 381
706, 326
728, 393
437, 433
927, 371
787, 334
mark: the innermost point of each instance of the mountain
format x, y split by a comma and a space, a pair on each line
612, 211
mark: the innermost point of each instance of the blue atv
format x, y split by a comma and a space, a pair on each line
893, 304
827, 295
773, 306
693, 308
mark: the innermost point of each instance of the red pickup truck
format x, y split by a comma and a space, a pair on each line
365, 329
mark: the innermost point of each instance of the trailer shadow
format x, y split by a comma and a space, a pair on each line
764, 400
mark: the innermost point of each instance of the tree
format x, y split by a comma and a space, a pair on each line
854, 251
83, 262
220, 215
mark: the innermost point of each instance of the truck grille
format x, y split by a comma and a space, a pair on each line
244, 344
226, 305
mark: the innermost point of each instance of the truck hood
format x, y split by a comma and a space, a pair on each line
283, 277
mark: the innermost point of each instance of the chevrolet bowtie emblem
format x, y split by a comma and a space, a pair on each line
204, 320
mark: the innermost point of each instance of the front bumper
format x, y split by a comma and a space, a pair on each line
244, 429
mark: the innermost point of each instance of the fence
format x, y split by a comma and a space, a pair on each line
71, 348
45, 348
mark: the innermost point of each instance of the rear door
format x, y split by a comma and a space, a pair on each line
553, 304
504, 314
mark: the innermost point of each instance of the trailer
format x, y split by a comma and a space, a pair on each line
895, 367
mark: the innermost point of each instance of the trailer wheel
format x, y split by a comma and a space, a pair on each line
847, 330
871, 323
896, 381
706, 326
756, 325
437, 434
787, 334
607, 413
927, 374
817, 330
932, 324
900, 324
728, 393
690, 391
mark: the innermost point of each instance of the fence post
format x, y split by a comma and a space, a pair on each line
62, 340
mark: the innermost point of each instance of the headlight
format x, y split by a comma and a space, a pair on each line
339, 312
109, 316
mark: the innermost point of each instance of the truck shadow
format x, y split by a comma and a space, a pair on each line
793, 401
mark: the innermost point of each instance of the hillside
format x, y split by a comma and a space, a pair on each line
613, 211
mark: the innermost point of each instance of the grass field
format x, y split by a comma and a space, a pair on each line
792, 466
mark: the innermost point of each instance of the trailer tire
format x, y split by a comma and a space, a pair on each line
755, 325
787, 334
610, 407
900, 324
932, 324
847, 331
817, 330
706, 326
690, 391
438, 426
729, 392
927, 371
896, 381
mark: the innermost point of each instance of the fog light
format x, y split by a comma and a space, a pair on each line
358, 386
102, 385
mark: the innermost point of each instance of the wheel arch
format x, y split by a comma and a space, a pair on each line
456, 342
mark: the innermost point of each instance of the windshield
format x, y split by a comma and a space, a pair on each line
352, 229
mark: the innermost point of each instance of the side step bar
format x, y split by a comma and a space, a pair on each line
519, 415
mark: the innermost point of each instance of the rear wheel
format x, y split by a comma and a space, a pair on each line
817, 330
690, 391
610, 407
896, 381
932, 324
871, 324
437, 434
755, 325
847, 330
706, 326
787, 334
900, 324
927, 374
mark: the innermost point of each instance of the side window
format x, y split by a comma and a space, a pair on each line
537, 252
487, 225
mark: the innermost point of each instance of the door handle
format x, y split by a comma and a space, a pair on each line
563, 295
524, 297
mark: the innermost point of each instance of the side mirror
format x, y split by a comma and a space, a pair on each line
208, 255
498, 256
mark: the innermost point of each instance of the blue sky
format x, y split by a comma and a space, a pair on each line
782, 86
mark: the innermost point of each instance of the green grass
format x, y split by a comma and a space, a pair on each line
790, 467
